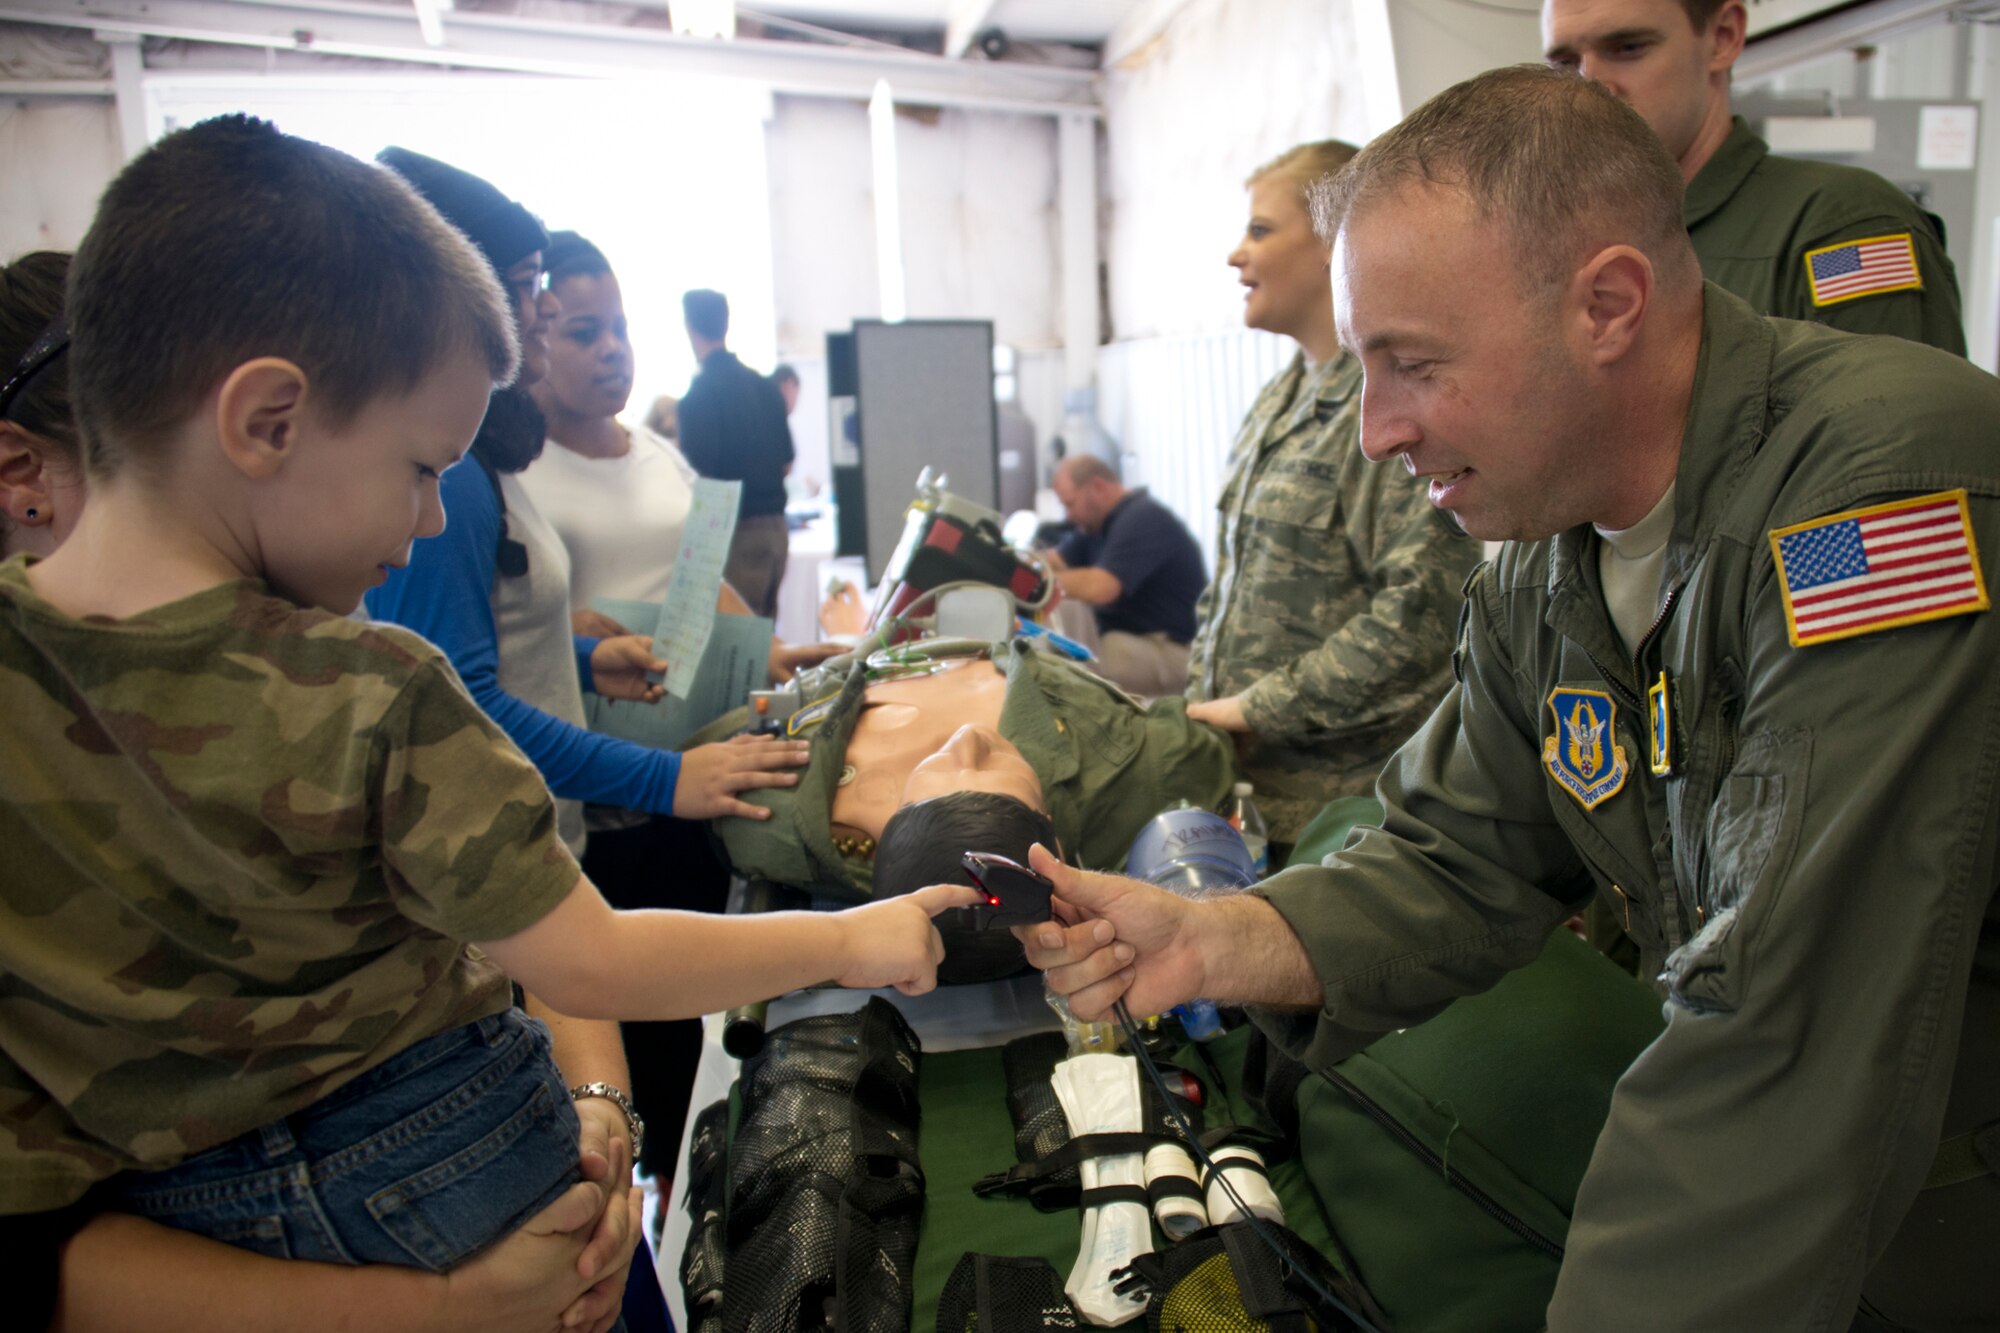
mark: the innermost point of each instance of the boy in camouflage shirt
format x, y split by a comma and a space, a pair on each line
251, 844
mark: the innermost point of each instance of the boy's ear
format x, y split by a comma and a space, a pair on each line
259, 413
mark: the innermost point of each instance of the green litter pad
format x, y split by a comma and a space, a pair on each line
966, 1134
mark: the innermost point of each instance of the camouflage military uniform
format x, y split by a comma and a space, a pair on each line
240, 841
1335, 596
1106, 766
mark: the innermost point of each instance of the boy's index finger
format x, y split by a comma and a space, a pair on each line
943, 897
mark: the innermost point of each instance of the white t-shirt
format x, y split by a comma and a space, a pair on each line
621, 518
531, 622
1628, 566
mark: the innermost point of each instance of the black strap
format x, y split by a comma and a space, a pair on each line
1250, 1164
1112, 1194
1172, 1187
1019, 1177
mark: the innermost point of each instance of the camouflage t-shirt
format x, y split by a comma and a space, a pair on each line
240, 841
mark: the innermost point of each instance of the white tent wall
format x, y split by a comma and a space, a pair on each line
979, 227
1222, 89
56, 153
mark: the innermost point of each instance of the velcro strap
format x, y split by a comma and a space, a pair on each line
1251, 1164
1019, 1177
1966, 1156
1172, 1187
1104, 1194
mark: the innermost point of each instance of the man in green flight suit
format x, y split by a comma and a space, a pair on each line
1804, 240
1774, 749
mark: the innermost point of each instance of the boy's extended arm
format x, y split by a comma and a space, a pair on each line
586, 960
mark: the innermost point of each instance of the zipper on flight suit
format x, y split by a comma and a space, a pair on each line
1485, 1202
1676, 936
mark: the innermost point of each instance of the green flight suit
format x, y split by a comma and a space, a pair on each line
1106, 764
1813, 881
1336, 588
1754, 218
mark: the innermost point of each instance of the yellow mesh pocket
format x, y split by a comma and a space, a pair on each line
1208, 1300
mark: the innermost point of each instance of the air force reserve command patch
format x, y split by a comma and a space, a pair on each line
1862, 268
1584, 756
1877, 568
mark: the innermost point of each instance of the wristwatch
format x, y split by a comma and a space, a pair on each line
616, 1096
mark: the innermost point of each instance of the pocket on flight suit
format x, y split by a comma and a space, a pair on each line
1753, 828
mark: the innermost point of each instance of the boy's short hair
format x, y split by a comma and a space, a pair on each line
707, 313
229, 241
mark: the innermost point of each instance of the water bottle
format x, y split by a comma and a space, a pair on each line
1248, 821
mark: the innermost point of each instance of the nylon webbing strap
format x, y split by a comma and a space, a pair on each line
1019, 1177
1172, 1187
1070, 1154
1208, 1173
1112, 1194
1966, 1156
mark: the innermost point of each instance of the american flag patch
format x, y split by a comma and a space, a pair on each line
1862, 268
1877, 568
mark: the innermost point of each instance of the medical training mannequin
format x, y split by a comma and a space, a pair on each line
1064, 751
927, 736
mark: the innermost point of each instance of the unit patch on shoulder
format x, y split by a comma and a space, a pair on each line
1584, 756
1879, 567
1879, 264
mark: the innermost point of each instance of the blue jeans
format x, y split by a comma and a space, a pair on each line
422, 1161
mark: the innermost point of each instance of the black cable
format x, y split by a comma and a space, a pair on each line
1285, 1264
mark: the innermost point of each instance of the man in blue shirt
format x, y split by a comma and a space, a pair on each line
1136, 565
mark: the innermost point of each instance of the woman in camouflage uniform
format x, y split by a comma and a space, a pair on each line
1326, 636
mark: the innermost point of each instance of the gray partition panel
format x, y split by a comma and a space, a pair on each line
925, 399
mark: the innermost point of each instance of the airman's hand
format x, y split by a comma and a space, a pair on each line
1114, 937
1224, 713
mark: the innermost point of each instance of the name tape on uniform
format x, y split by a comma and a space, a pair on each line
1877, 568
1850, 269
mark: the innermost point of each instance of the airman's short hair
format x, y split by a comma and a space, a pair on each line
230, 241
1701, 13
1551, 158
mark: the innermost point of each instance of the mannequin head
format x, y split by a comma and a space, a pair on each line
922, 844
925, 736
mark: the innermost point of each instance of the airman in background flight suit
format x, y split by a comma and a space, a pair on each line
1805, 240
